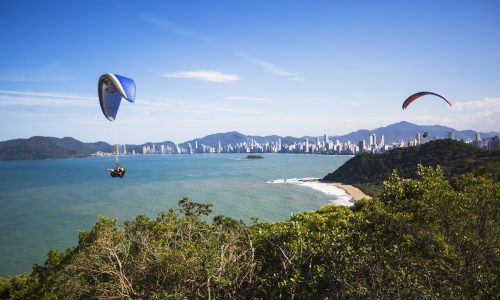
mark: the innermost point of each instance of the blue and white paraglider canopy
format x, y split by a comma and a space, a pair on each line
112, 88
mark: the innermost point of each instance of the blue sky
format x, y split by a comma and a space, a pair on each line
258, 67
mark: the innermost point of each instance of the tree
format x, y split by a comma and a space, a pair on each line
426, 237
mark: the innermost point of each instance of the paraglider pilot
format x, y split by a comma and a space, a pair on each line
118, 171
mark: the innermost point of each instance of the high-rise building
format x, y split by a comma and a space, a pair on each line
477, 140
451, 135
382, 141
494, 143
419, 138
373, 142
373, 139
362, 145
330, 145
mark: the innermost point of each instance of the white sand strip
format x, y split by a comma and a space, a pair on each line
338, 196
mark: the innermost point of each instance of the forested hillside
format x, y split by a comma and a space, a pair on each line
454, 157
423, 238
40, 147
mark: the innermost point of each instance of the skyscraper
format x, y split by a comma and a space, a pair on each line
494, 143
362, 145
373, 139
477, 140
373, 142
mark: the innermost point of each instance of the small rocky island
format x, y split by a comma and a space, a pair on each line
254, 157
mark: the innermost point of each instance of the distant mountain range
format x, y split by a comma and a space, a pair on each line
392, 133
234, 137
407, 131
39, 147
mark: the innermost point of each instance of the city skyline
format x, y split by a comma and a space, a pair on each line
399, 127
318, 145
258, 67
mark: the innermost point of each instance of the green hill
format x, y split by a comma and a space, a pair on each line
36, 147
453, 156
40, 147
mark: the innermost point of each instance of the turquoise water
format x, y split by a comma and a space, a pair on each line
43, 204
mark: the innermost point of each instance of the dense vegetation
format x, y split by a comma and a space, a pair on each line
369, 170
33, 148
426, 237
40, 147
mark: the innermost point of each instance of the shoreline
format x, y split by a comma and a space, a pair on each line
343, 194
353, 191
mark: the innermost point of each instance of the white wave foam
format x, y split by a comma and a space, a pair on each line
340, 197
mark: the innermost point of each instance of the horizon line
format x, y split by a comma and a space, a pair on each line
248, 135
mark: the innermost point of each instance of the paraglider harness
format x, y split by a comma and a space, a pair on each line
119, 171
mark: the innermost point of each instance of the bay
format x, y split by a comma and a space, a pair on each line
43, 204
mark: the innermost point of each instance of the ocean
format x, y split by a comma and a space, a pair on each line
43, 204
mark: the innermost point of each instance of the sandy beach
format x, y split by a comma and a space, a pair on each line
342, 194
355, 193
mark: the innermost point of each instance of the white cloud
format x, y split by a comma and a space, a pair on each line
273, 69
23, 98
172, 27
45, 94
486, 120
206, 75
86, 109
486, 103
